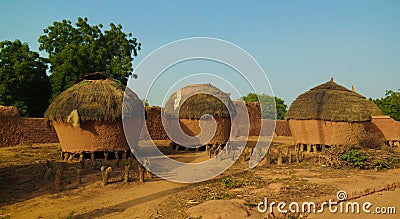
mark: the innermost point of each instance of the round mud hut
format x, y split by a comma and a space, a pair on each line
331, 115
191, 105
88, 116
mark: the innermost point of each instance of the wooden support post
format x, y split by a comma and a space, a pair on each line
105, 174
141, 172
308, 148
105, 156
126, 173
279, 157
79, 176
267, 158
299, 156
290, 159
116, 161
81, 160
124, 155
71, 156
66, 156
57, 180
62, 155
287, 151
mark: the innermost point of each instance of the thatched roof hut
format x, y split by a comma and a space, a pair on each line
190, 103
330, 114
87, 116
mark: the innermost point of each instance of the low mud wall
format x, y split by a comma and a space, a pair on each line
17, 130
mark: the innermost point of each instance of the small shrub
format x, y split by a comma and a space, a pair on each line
354, 157
380, 165
228, 182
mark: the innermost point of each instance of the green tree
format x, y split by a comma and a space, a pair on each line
145, 102
23, 79
390, 104
74, 50
267, 102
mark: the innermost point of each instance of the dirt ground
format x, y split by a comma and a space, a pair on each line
25, 193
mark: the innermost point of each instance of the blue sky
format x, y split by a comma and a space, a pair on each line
299, 44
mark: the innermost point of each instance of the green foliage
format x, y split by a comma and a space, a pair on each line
354, 157
23, 79
390, 104
80, 49
380, 165
228, 182
145, 102
267, 104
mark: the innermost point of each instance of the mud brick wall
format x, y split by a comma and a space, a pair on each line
35, 130
282, 128
10, 127
154, 123
15, 130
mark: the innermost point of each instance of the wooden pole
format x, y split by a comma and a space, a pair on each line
141, 172
126, 173
279, 157
79, 176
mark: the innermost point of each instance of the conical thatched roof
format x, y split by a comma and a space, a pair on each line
332, 102
96, 97
196, 100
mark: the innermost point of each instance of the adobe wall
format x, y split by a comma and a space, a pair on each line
35, 130
282, 128
154, 123
16, 130
389, 127
10, 126
254, 118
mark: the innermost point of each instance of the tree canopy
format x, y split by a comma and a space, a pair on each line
23, 79
74, 50
390, 104
267, 102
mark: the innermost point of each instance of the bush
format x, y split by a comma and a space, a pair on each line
354, 157
228, 182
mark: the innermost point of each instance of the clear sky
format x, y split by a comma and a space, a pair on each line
299, 44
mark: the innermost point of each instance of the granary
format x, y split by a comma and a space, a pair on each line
331, 115
192, 102
88, 117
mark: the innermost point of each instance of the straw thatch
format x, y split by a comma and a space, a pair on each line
193, 101
332, 102
95, 97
